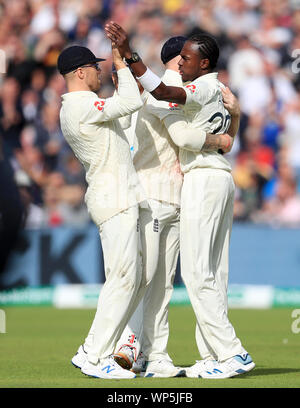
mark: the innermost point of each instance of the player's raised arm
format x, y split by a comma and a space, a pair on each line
150, 81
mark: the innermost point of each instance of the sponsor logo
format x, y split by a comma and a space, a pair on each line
296, 323
155, 225
295, 66
108, 369
132, 339
191, 88
99, 105
173, 106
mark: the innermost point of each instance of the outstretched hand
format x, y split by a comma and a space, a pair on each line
230, 102
118, 38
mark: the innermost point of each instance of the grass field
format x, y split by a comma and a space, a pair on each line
39, 342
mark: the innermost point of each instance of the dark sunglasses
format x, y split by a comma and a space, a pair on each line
94, 65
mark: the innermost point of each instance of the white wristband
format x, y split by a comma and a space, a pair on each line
149, 80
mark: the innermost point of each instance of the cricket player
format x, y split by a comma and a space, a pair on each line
90, 126
206, 201
157, 165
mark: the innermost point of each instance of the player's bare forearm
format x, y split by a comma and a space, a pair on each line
173, 94
162, 92
117, 59
232, 105
216, 142
234, 125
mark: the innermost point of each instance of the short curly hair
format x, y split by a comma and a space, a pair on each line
208, 47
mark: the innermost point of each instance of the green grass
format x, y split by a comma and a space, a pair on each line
39, 342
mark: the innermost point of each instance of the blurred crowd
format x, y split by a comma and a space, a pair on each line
259, 61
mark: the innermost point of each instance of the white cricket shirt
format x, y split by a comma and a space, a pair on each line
156, 158
91, 128
203, 112
204, 109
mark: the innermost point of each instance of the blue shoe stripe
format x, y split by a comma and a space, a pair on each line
149, 375
108, 368
215, 370
243, 360
240, 371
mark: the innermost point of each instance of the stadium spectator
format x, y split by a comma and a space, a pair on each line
11, 210
49, 138
11, 117
290, 139
237, 17
63, 204
283, 210
246, 61
33, 215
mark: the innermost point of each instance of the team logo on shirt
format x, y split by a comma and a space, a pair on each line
99, 105
173, 106
191, 88
132, 339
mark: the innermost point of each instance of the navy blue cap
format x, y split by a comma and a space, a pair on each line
74, 57
172, 48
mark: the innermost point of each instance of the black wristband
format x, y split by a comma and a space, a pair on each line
134, 58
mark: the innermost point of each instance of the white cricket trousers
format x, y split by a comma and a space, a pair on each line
121, 245
207, 199
148, 329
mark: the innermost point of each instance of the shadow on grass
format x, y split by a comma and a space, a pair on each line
257, 371
268, 371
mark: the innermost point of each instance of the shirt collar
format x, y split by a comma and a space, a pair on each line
208, 77
75, 94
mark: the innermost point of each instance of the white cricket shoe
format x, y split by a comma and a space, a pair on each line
163, 369
125, 356
139, 366
80, 357
201, 365
239, 364
106, 369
